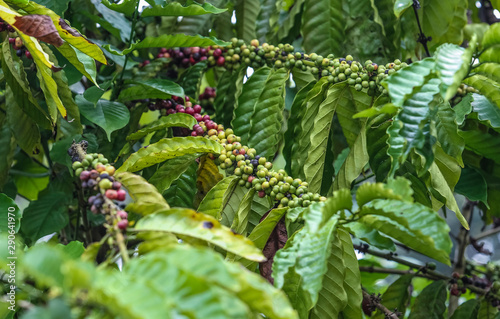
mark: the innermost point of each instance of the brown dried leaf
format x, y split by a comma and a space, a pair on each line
40, 27
70, 30
276, 241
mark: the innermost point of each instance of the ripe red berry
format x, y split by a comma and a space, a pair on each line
197, 108
146, 62
28, 54
171, 111
122, 214
206, 118
221, 61
262, 194
117, 185
12, 40
190, 111
198, 117
217, 53
111, 194
123, 224
121, 195
193, 133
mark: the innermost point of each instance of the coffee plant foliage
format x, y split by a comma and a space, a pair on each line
248, 158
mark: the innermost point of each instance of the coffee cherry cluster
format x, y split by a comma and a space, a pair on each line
177, 105
367, 76
462, 91
184, 57
17, 44
254, 171
98, 182
4, 26
207, 98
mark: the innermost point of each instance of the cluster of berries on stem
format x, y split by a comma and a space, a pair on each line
253, 170
362, 76
99, 185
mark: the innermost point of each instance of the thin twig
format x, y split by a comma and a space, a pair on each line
392, 271
421, 37
381, 307
462, 243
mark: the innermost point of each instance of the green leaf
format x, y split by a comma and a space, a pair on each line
492, 36
171, 170
300, 150
246, 17
230, 210
151, 89
431, 302
114, 22
486, 111
445, 173
208, 175
190, 79
197, 225
447, 133
229, 89
109, 115
46, 215
82, 62
146, 198
411, 127
444, 21
24, 129
8, 147
452, 65
260, 234
413, 224
209, 267
182, 191
173, 120
490, 70
467, 310
170, 41
352, 277
322, 27
486, 310
484, 144
371, 191
486, 87
16, 78
314, 164
247, 103
55, 308
299, 268
214, 202
191, 8
354, 163
240, 220
73, 249
266, 120
293, 124
370, 235
401, 84
400, 6
168, 148
266, 19
396, 296
292, 22
463, 108
472, 185
11, 215
126, 7
376, 142
332, 297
